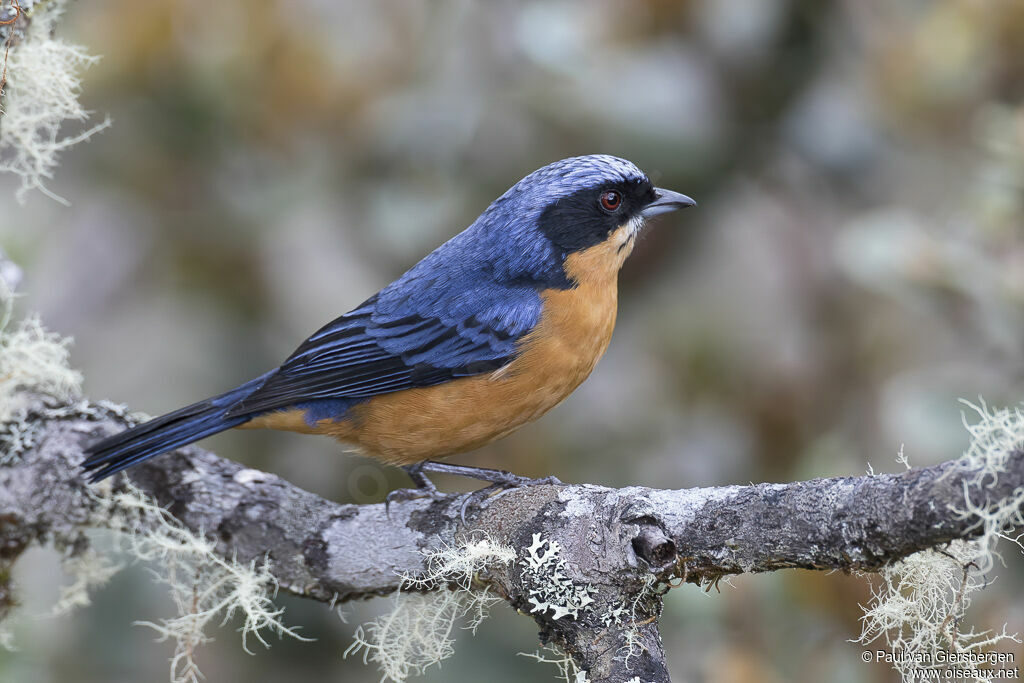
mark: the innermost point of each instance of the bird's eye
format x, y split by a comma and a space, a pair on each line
611, 200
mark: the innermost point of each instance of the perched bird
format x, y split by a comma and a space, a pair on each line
488, 332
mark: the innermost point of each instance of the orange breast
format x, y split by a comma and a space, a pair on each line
410, 426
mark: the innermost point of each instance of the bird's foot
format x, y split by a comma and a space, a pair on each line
501, 481
422, 488
480, 498
508, 479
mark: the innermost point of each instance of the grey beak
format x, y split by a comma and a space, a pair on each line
666, 201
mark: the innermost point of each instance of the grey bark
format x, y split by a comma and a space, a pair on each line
627, 545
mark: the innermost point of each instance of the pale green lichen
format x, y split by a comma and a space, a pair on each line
31, 358
550, 590
207, 589
417, 632
920, 605
41, 94
995, 439
568, 671
88, 570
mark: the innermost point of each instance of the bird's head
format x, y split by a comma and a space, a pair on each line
595, 203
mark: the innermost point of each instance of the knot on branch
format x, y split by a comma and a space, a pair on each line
592, 573
653, 546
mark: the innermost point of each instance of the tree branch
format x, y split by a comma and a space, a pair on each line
621, 547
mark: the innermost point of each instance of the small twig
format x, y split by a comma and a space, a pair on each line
7, 44
957, 605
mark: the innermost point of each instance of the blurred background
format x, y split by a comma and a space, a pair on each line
855, 265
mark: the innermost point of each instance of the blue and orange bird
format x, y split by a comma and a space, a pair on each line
490, 331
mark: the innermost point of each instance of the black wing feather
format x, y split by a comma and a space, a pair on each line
360, 359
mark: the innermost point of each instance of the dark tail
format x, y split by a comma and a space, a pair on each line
167, 432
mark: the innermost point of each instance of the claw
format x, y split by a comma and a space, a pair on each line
423, 488
476, 498
403, 495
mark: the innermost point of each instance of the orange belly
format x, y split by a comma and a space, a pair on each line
413, 425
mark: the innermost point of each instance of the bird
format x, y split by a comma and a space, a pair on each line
488, 332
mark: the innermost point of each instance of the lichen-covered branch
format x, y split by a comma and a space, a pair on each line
592, 562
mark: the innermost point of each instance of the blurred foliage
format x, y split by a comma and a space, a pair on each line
855, 265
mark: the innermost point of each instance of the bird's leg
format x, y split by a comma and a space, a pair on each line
501, 481
419, 479
423, 487
498, 477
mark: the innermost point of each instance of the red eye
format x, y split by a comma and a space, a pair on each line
611, 200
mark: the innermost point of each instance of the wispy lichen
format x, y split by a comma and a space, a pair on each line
31, 358
417, 632
995, 438
568, 671
40, 95
88, 570
920, 605
207, 589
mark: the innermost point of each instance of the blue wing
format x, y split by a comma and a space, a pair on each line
415, 333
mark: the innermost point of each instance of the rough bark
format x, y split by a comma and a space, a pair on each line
626, 544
